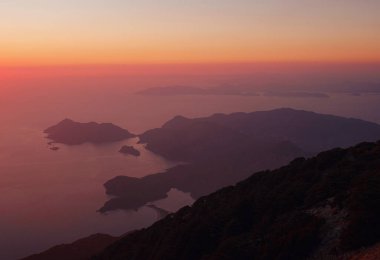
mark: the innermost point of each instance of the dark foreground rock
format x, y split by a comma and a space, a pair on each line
79, 250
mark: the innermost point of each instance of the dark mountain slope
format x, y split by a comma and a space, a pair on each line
79, 250
72, 133
327, 205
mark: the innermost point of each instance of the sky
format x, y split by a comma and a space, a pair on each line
77, 32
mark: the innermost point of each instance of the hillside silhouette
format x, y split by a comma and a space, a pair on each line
324, 207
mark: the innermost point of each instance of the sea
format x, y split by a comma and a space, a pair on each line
52, 197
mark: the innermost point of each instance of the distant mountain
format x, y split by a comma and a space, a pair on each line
172, 91
223, 149
79, 250
326, 207
359, 87
73, 133
282, 89
295, 94
188, 90
188, 139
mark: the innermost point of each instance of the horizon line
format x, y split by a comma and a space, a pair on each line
232, 63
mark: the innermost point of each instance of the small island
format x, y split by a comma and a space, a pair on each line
74, 133
129, 150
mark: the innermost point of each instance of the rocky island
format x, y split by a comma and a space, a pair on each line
129, 150
73, 133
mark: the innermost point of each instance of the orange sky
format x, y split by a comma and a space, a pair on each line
52, 32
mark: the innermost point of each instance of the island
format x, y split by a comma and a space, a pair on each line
129, 150
74, 133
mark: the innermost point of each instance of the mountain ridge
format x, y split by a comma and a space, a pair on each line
310, 131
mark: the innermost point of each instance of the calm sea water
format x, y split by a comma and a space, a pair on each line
51, 197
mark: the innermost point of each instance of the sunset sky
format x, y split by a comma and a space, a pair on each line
72, 32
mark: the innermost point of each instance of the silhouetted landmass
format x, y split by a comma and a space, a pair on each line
172, 91
129, 150
295, 94
224, 149
199, 178
79, 250
190, 139
187, 90
233, 90
359, 87
73, 133
321, 207
281, 87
